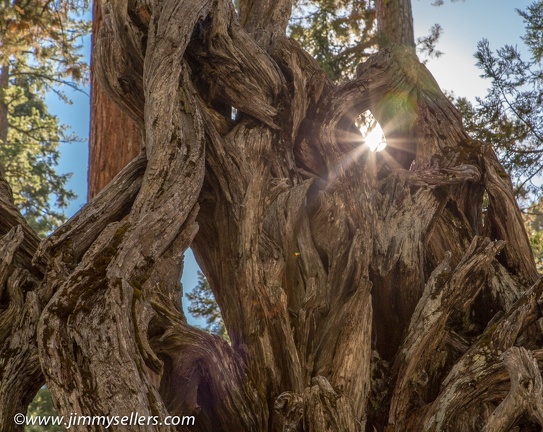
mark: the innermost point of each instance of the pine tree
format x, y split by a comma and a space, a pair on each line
39, 53
511, 114
339, 35
31, 154
203, 305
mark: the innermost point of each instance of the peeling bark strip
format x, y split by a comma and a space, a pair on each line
361, 291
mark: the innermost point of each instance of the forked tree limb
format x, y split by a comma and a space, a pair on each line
110, 205
526, 394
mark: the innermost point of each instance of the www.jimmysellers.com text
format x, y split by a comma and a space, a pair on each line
134, 419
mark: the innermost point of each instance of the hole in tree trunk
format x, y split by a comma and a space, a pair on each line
393, 149
234, 114
526, 425
372, 134
204, 306
42, 406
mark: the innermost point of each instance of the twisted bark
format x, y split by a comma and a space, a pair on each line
361, 291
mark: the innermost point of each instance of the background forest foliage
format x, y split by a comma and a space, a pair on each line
40, 53
510, 117
42, 405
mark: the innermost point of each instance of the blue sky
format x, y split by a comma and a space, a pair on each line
464, 23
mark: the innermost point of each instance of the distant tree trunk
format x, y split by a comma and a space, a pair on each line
114, 138
4, 82
5, 189
395, 22
360, 291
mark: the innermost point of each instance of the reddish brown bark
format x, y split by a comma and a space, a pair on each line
114, 138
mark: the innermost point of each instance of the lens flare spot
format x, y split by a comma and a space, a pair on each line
374, 138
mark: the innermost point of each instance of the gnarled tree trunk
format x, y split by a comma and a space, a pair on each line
361, 291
